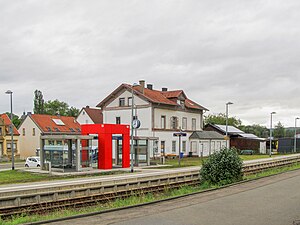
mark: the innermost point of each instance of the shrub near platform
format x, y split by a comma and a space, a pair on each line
222, 167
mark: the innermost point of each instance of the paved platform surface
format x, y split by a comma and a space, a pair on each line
274, 200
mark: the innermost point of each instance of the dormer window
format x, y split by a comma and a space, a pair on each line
181, 103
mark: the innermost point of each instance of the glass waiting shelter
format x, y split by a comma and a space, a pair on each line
63, 153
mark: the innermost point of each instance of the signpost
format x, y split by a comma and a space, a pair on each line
179, 135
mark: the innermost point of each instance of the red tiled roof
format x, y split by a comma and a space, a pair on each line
45, 122
164, 97
95, 114
7, 123
172, 94
155, 96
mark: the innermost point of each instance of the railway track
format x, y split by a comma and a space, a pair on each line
42, 201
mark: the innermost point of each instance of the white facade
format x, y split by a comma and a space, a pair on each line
29, 139
150, 116
84, 118
206, 147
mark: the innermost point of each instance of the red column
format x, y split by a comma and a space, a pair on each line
105, 151
126, 151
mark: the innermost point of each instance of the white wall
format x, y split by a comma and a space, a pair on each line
83, 118
144, 115
28, 143
127, 94
208, 146
179, 114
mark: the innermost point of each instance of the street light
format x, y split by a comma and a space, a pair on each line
131, 147
270, 153
228, 103
9, 92
295, 138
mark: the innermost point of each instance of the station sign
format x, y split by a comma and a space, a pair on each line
177, 134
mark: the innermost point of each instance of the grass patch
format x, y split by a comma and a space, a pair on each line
18, 176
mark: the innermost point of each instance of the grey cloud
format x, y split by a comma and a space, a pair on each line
77, 51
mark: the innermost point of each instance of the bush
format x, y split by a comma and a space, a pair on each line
222, 167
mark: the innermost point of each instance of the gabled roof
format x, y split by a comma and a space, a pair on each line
7, 123
95, 114
206, 135
154, 96
47, 124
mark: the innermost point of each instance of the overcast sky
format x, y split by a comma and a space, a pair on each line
247, 52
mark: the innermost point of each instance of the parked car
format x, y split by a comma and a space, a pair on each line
247, 152
33, 161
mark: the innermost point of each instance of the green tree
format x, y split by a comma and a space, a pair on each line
221, 120
279, 130
16, 120
38, 102
73, 112
258, 130
56, 107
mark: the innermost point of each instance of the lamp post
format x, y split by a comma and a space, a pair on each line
9, 92
270, 153
295, 138
131, 147
227, 104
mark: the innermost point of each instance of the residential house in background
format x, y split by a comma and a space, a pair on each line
35, 125
161, 113
5, 138
239, 139
206, 142
89, 115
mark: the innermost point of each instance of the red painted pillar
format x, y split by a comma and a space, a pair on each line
105, 151
126, 151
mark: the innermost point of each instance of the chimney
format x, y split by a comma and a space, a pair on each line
87, 106
28, 113
164, 89
150, 86
142, 85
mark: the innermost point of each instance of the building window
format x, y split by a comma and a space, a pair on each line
121, 101
129, 101
33, 131
183, 146
118, 120
193, 124
163, 122
1, 131
173, 146
174, 122
184, 123
23, 131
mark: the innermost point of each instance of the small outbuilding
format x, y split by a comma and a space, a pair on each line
239, 139
204, 143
